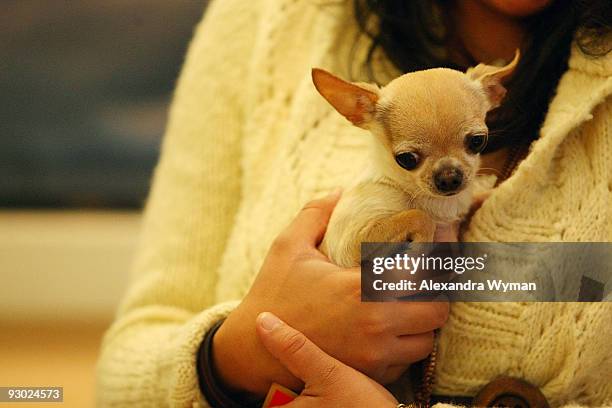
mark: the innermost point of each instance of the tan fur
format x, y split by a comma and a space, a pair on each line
429, 112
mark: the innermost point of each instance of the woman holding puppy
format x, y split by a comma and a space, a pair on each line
230, 293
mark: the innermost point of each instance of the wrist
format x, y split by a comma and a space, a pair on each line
241, 362
207, 378
230, 357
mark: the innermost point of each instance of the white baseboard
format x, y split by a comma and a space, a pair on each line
64, 265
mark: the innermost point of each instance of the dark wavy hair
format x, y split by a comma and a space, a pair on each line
408, 32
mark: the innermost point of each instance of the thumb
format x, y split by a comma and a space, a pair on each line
310, 224
301, 356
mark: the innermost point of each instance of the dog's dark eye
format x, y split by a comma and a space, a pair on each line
408, 160
476, 143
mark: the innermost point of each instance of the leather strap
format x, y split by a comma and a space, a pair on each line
210, 387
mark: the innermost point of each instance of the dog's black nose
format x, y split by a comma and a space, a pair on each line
448, 180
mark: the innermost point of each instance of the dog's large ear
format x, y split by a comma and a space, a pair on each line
356, 102
491, 78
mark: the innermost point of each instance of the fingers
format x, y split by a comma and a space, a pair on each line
409, 349
405, 318
310, 224
403, 352
299, 355
401, 317
419, 317
392, 374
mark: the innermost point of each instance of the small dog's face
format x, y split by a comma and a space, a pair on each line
431, 124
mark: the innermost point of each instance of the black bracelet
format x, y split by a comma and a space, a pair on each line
214, 392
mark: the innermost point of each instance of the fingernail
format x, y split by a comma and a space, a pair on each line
268, 321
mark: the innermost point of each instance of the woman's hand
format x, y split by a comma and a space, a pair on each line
328, 382
301, 286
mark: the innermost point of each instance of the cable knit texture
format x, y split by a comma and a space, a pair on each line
249, 142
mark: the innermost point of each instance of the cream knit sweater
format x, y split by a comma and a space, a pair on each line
249, 142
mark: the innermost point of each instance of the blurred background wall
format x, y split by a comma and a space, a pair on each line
84, 91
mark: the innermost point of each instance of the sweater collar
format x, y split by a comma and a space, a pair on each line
598, 66
586, 84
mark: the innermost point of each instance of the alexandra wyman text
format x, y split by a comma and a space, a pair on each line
496, 285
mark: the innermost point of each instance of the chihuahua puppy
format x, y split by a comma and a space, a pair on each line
429, 128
